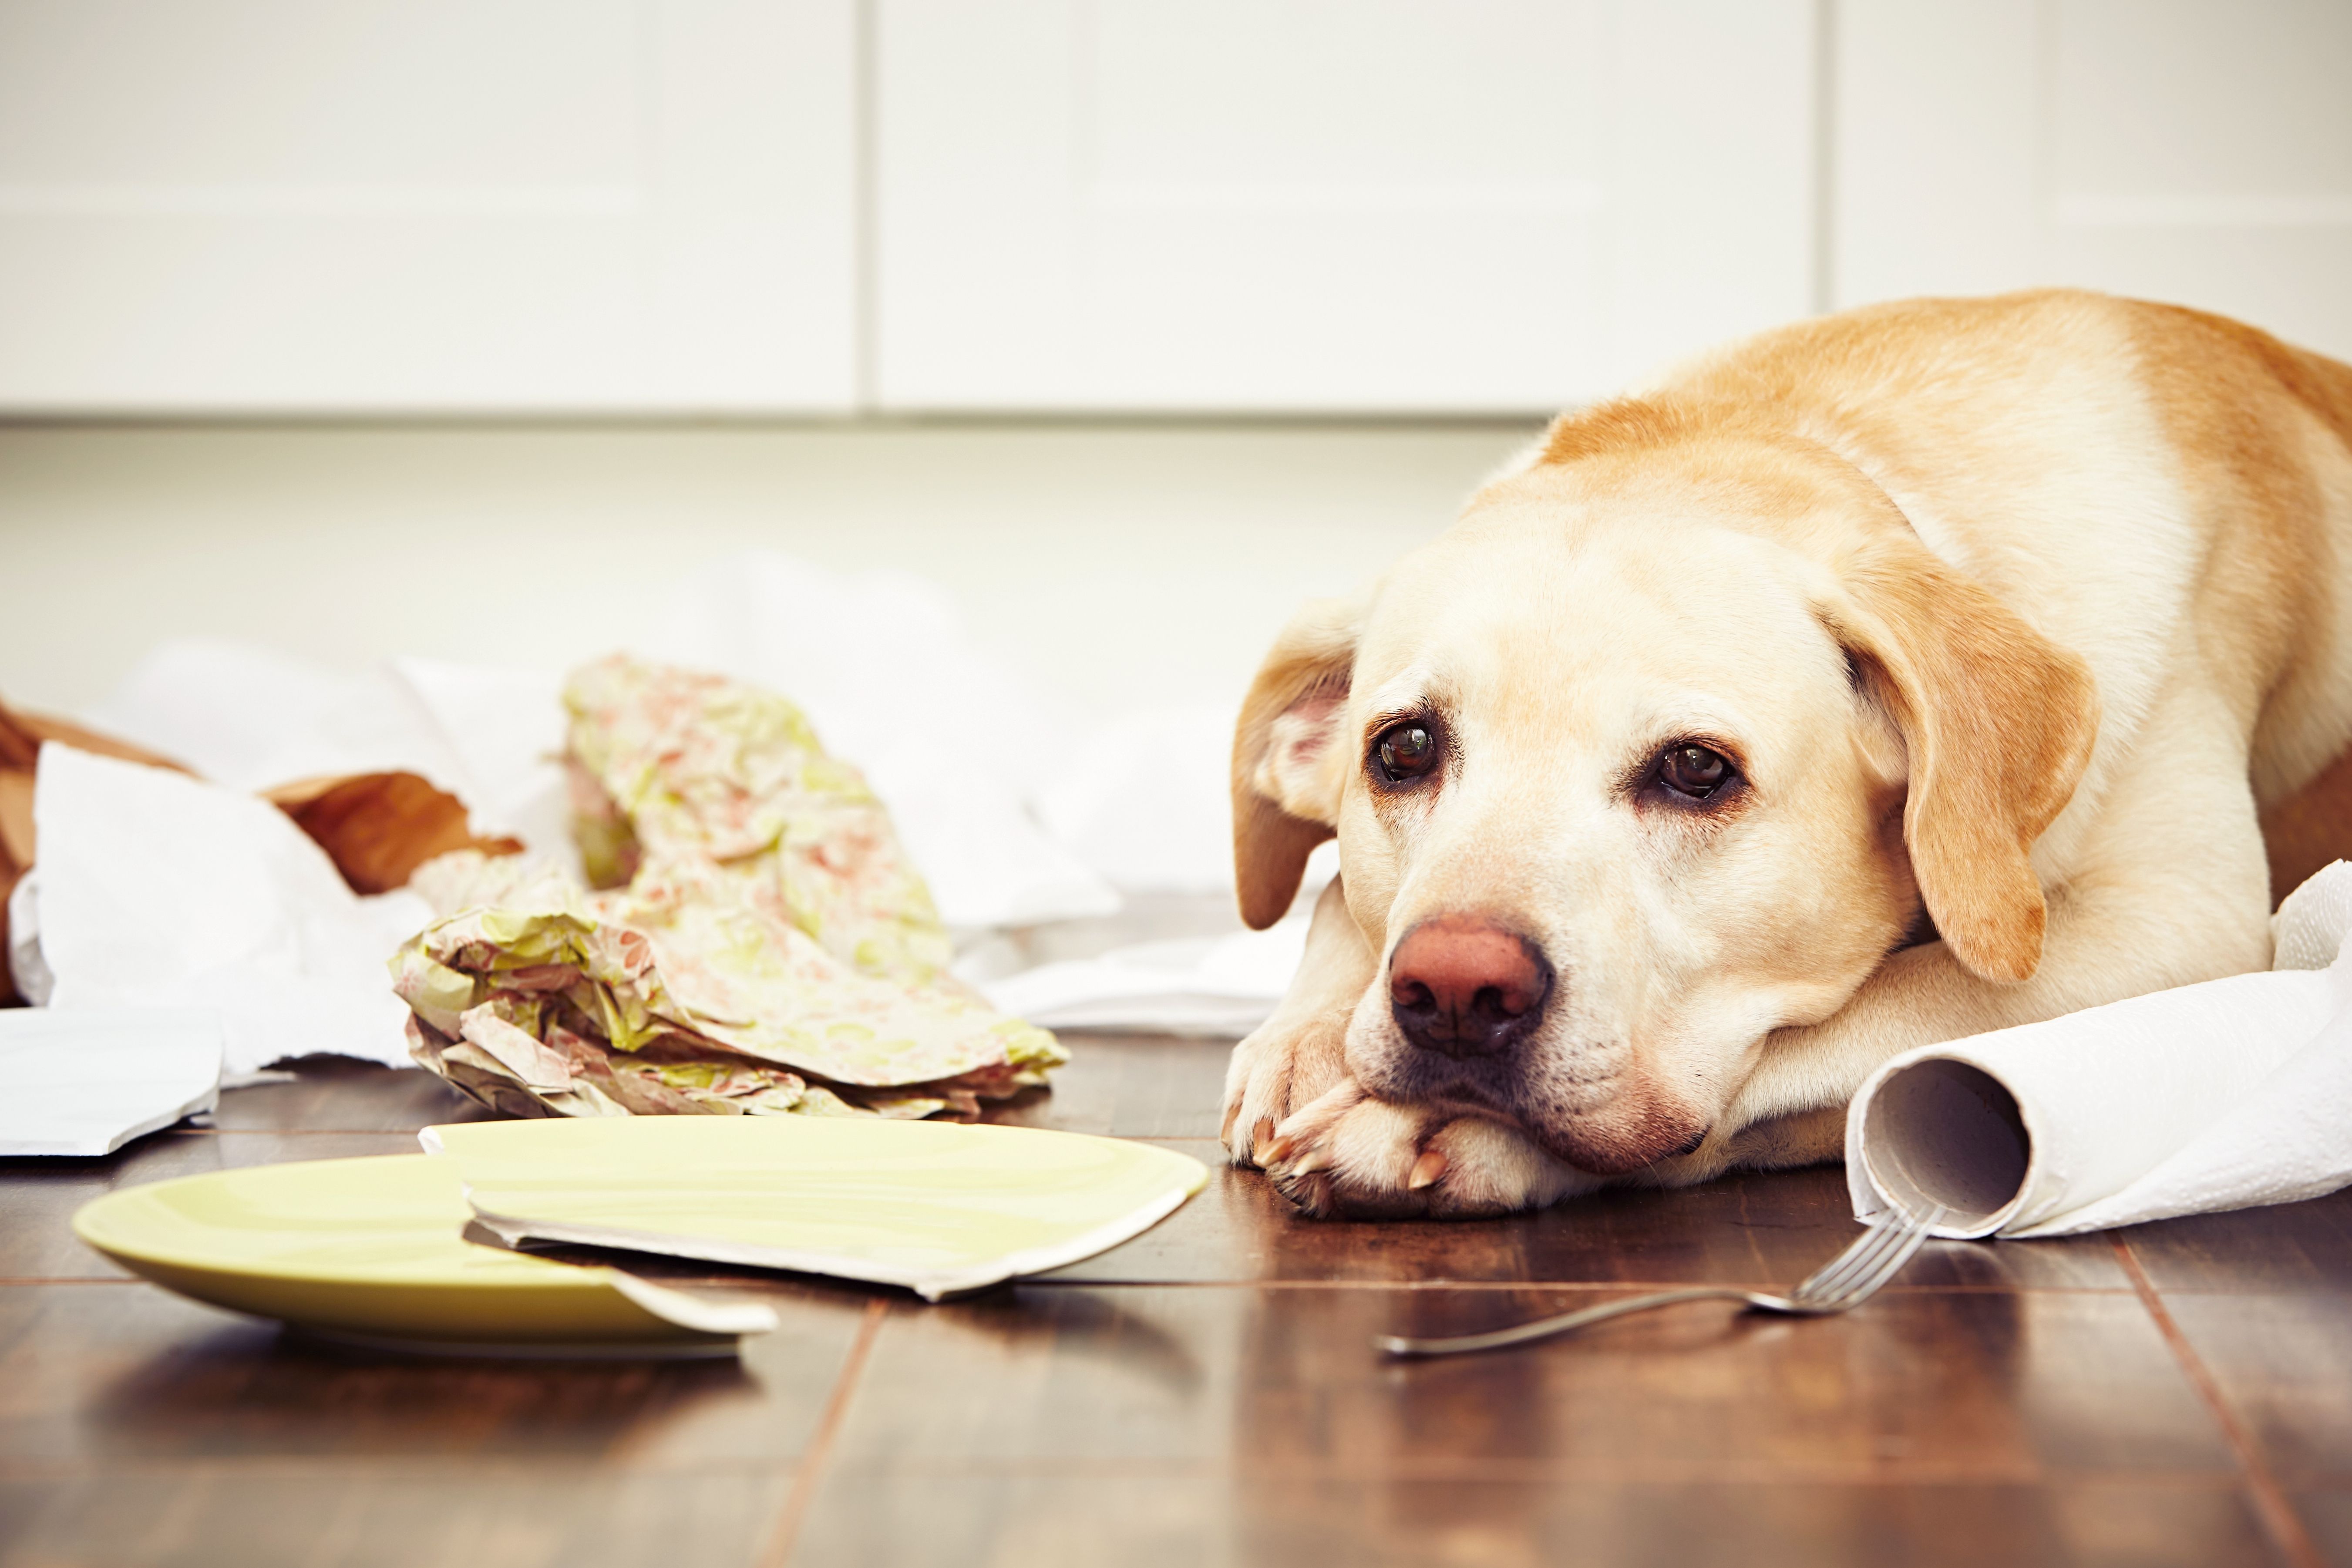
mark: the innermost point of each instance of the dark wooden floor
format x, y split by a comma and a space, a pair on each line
2180, 1393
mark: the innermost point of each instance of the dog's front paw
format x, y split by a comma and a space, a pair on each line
1275, 1070
1348, 1155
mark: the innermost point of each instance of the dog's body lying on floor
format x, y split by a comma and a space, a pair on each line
1887, 678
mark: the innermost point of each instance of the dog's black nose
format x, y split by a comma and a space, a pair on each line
1464, 986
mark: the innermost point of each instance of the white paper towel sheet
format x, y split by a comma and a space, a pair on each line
159, 890
1221, 986
87, 1082
2226, 1095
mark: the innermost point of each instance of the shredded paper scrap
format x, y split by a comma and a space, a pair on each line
758, 943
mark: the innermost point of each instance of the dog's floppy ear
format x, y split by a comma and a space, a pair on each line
1289, 765
1999, 722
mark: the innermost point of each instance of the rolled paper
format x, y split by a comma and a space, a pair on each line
2228, 1094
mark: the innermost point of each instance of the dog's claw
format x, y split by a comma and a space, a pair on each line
1426, 1169
1274, 1152
1261, 1139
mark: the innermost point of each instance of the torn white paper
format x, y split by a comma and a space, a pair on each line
85, 1083
159, 890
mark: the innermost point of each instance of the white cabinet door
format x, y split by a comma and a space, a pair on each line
1330, 204
2195, 150
427, 204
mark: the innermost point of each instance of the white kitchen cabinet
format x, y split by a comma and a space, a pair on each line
365, 206
2196, 151
1329, 204
824, 207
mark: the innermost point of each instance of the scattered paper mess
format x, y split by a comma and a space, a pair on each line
773, 951
88, 1082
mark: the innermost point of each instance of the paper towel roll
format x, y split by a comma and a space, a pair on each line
2225, 1095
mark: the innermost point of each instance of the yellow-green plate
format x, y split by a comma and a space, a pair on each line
936, 1207
371, 1248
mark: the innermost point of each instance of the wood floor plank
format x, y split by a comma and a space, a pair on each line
1226, 1521
361, 1516
2327, 1511
112, 1377
2284, 1364
1206, 1394
1128, 1086
1767, 1228
2287, 1246
1999, 1387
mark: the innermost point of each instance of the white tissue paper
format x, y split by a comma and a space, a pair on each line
2225, 1095
87, 1082
159, 890
1222, 986
1147, 800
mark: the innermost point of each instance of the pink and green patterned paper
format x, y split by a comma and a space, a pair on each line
759, 943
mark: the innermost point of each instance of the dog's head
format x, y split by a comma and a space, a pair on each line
1656, 751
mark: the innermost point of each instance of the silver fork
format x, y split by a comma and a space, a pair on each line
1847, 1280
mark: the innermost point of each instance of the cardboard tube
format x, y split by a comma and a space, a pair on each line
1943, 1132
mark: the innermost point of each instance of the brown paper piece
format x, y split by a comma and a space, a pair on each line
15, 857
379, 827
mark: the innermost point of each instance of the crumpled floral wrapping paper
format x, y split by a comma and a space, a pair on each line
760, 943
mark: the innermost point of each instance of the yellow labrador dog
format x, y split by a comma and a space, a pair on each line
1893, 677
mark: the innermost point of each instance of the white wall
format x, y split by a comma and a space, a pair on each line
1117, 566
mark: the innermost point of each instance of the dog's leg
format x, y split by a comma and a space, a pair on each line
1298, 1054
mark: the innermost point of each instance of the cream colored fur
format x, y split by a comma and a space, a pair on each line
2019, 613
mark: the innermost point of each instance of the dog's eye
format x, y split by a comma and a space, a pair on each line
1694, 770
1406, 751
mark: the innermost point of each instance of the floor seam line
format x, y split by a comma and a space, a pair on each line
1532, 1285
2276, 1515
810, 1469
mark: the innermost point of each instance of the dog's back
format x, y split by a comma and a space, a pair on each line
2157, 435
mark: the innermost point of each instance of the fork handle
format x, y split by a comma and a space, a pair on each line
1545, 1328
